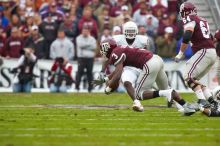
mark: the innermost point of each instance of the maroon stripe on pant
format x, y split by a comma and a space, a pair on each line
196, 63
142, 80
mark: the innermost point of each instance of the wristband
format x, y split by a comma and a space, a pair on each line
108, 89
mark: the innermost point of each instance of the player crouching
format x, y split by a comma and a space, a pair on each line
152, 70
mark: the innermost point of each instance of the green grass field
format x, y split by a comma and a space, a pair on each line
99, 120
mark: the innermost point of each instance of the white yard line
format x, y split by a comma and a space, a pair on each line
107, 135
115, 129
77, 106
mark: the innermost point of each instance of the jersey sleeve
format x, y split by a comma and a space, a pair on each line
116, 56
117, 38
144, 42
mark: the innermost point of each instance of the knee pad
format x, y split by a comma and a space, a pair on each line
192, 83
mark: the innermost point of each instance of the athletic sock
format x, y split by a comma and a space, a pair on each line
182, 102
207, 93
163, 92
200, 94
155, 94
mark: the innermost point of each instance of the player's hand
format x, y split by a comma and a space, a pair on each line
100, 80
97, 82
101, 76
178, 57
108, 90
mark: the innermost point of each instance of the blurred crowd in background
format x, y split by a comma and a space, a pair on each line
53, 27
67, 30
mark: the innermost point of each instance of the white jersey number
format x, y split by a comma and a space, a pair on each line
114, 56
204, 29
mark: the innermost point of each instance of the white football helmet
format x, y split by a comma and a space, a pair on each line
130, 30
216, 92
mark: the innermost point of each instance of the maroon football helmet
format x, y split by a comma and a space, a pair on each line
107, 46
187, 9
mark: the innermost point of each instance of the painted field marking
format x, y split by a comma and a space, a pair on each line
116, 129
107, 135
78, 106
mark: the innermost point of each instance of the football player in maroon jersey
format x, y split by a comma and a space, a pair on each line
152, 70
196, 30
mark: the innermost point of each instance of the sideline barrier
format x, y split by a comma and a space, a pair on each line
42, 69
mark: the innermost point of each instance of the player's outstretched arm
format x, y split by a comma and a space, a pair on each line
210, 112
114, 77
102, 78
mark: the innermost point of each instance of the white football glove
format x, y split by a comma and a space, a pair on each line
179, 56
102, 78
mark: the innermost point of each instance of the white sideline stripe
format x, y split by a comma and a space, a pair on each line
96, 119
107, 135
90, 115
118, 129
78, 106
164, 123
104, 123
138, 143
85, 106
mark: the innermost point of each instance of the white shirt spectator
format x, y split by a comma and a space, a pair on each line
86, 46
139, 18
62, 48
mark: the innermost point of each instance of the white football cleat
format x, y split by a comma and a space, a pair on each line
137, 106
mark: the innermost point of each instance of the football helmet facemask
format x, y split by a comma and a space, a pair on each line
130, 30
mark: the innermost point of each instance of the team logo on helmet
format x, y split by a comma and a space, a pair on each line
107, 46
187, 9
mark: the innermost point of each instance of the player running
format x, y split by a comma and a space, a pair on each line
196, 30
152, 70
130, 38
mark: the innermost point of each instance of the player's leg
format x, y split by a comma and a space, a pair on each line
129, 77
198, 65
156, 73
148, 77
163, 84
